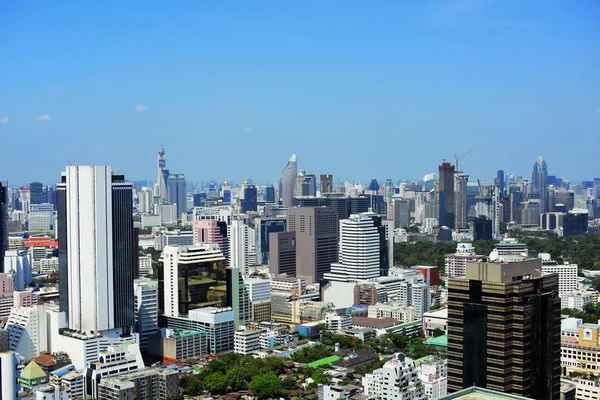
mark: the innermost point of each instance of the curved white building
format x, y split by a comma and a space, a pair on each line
359, 249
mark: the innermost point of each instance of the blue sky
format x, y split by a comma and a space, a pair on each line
359, 89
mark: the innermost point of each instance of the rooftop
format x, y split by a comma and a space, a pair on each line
476, 393
324, 361
375, 322
441, 341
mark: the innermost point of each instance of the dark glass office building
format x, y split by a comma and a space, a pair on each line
3, 221
249, 202
504, 330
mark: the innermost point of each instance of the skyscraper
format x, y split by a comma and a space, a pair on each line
177, 193
500, 183
326, 183
317, 233
288, 181
460, 200
163, 174
3, 222
504, 329
539, 185
36, 193
96, 249
446, 194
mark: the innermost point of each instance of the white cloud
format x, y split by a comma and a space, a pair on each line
4, 120
249, 130
140, 107
43, 117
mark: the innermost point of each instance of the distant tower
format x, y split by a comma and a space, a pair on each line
446, 194
3, 222
288, 181
539, 185
163, 175
326, 183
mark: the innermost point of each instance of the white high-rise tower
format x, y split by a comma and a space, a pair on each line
359, 249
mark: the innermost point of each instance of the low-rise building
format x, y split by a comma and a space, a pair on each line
435, 320
147, 384
70, 378
393, 310
576, 300
397, 379
336, 322
246, 341
178, 344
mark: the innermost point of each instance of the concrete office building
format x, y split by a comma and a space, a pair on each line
317, 235
146, 309
282, 253
567, 273
218, 323
9, 375
504, 329
163, 174
96, 249
40, 218
239, 254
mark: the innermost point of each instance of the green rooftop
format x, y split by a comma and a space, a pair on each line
407, 325
32, 371
440, 341
324, 361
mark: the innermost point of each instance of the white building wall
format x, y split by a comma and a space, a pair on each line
27, 330
567, 276
9, 375
238, 246
89, 225
171, 264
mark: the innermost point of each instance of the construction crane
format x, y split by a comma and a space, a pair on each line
459, 158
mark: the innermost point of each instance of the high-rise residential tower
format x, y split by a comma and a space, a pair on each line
288, 182
96, 249
539, 184
163, 174
446, 194
317, 234
504, 329
3, 222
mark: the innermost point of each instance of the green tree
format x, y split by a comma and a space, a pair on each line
267, 386
216, 383
237, 378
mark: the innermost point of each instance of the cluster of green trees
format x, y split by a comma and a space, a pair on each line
413, 347
589, 315
583, 250
234, 373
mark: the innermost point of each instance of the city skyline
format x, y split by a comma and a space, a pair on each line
385, 91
